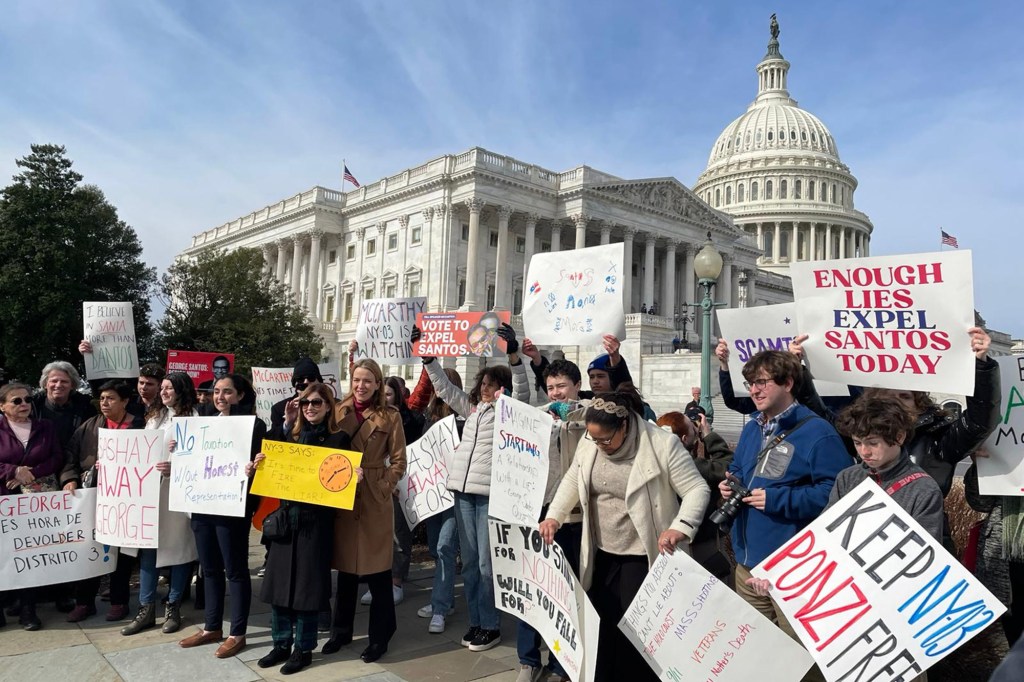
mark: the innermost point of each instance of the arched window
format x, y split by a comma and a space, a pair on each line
842, 196
739, 193
746, 139
783, 190
753, 191
803, 136
757, 137
824, 192
833, 192
768, 190
796, 189
718, 197
792, 135
728, 195
770, 136
810, 190
769, 238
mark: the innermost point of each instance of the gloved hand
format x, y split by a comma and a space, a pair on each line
416, 334
508, 334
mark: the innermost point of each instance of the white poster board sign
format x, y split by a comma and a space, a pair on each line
865, 576
423, 490
689, 625
1002, 472
765, 327
47, 539
128, 485
110, 328
519, 461
575, 298
208, 465
889, 321
273, 384
534, 582
384, 327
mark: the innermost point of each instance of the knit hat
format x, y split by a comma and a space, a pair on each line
599, 363
305, 368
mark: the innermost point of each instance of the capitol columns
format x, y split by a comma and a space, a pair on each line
651, 242
627, 269
297, 242
267, 257
725, 280
842, 242
751, 287
580, 220
556, 236
777, 244
814, 242
473, 252
668, 307
501, 299
313, 286
606, 232
760, 242
531, 245
688, 274
282, 260
828, 241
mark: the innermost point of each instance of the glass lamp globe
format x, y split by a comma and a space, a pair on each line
708, 262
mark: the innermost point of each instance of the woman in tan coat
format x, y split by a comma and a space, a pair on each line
363, 536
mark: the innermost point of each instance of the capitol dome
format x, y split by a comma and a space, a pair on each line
776, 170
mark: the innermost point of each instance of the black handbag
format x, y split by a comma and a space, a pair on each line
277, 525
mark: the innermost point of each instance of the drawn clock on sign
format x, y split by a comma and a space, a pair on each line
335, 472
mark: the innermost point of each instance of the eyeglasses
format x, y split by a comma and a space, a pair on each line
18, 401
760, 383
315, 402
605, 442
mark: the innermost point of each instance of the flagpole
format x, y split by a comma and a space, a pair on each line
343, 176
941, 244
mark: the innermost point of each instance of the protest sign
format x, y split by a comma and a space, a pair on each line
48, 538
870, 592
766, 327
384, 328
575, 300
534, 582
200, 366
452, 335
1002, 472
305, 473
889, 321
519, 461
273, 384
689, 625
423, 490
110, 328
128, 501
208, 465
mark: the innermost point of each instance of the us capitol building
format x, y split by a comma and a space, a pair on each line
460, 229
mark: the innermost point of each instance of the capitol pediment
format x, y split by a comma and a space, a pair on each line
667, 195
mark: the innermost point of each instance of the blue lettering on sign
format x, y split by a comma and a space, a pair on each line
952, 622
185, 442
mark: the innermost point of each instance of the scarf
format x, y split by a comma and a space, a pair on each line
1013, 528
360, 408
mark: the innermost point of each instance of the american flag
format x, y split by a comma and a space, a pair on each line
351, 178
947, 239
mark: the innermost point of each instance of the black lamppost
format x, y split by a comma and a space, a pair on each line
708, 266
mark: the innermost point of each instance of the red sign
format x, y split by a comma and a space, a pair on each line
453, 335
199, 365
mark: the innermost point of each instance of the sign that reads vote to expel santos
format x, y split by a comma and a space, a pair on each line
453, 335
208, 465
871, 594
110, 328
519, 461
48, 538
128, 485
889, 321
1002, 472
423, 489
305, 473
384, 328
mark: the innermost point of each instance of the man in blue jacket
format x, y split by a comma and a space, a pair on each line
788, 458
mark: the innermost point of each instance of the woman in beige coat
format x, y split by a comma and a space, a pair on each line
628, 476
363, 544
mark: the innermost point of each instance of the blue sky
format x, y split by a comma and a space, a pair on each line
191, 113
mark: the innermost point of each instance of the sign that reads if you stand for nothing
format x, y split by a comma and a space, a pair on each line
128, 484
384, 328
871, 594
110, 328
519, 461
208, 465
305, 473
423, 489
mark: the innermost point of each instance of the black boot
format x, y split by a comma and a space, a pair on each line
172, 617
28, 618
297, 661
335, 643
3, 618
145, 619
279, 654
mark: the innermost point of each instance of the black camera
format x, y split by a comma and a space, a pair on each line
694, 413
726, 514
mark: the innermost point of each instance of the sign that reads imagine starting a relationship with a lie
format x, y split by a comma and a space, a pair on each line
128, 485
519, 461
305, 473
1002, 472
384, 328
208, 464
575, 300
110, 328
454, 335
871, 594
889, 321
47, 538
534, 582
689, 625
423, 489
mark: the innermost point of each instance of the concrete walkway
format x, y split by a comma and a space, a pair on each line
95, 649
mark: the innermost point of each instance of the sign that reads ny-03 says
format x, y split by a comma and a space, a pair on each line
128, 501
305, 473
384, 328
871, 594
110, 328
519, 461
423, 490
208, 465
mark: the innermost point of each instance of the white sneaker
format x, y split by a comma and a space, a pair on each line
436, 624
428, 611
366, 599
531, 674
398, 593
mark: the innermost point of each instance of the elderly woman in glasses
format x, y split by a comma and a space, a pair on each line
629, 477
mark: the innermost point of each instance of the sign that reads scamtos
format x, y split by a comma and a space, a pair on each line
454, 335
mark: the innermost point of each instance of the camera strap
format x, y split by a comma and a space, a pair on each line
776, 440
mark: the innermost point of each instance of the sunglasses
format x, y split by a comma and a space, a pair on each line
18, 401
315, 402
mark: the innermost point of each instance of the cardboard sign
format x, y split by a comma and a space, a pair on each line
690, 626
890, 321
128, 501
384, 327
273, 384
870, 592
534, 582
1002, 472
453, 335
110, 328
305, 473
47, 538
767, 327
423, 490
208, 465
577, 299
200, 366
519, 461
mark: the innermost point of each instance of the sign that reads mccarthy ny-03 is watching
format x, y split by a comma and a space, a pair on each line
384, 328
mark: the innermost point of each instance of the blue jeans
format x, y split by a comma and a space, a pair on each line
223, 544
474, 538
443, 543
148, 574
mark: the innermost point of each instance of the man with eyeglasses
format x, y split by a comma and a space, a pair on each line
788, 458
305, 374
